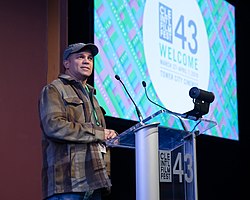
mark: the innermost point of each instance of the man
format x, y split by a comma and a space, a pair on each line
74, 131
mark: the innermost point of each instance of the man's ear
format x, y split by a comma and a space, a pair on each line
66, 64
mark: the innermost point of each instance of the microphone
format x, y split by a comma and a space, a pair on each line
182, 123
144, 85
136, 107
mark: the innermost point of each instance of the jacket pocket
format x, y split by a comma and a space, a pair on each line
73, 100
74, 109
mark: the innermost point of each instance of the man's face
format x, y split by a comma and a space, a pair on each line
79, 65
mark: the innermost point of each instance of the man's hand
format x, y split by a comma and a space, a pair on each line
109, 134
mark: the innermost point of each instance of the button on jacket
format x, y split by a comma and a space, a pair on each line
72, 161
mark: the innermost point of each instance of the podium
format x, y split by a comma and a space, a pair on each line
165, 156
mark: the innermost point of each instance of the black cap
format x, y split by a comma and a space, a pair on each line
73, 48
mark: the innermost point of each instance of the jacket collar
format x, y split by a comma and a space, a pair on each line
68, 78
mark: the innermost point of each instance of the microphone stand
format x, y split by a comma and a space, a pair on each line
182, 123
136, 107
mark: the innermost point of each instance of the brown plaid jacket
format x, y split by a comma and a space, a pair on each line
72, 161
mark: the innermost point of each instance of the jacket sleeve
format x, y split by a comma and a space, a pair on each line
65, 121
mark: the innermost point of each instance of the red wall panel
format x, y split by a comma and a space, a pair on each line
23, 55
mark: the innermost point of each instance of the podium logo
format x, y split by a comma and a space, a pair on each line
165, 166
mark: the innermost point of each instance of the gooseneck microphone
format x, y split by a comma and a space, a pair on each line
136, 107
144, 85
182, 123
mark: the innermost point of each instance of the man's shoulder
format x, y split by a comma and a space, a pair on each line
57, 82
63, 80
65, 86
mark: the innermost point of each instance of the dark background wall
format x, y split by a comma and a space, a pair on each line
23, 55
24, 63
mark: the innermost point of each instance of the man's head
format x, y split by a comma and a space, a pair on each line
77, 47
78, 60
